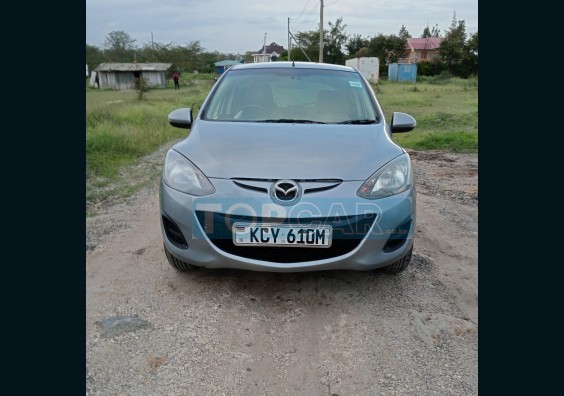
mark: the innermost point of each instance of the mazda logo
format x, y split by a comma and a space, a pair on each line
285, 192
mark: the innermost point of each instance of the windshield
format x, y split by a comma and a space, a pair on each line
291, 95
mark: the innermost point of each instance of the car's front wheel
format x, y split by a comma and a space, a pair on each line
399, 265
178, 264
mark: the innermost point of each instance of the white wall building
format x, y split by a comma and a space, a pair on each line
369, 67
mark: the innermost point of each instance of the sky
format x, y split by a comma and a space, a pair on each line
229, 26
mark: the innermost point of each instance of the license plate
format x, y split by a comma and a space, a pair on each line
281, 235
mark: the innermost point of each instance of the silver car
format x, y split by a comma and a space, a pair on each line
288, 166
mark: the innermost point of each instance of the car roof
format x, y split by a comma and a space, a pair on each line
300, 65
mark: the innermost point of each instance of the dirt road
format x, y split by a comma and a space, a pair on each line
323, 333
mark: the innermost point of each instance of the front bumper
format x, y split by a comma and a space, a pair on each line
367, 234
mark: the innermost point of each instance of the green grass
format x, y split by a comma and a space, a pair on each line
446, 112
198, 76
120, 129
463, 142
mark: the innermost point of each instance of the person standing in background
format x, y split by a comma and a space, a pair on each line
176, 77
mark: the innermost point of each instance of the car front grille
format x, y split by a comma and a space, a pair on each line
348, 232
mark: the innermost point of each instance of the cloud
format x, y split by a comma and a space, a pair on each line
236, 27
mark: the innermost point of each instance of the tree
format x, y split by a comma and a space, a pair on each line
355, 44
248, 57
453, 22
388, 49
452, 46
119, 46
460, 55
142, 87
183, 57
333, 45
119, 40
426, 32
364, 52
403, 33
434, 32
94, 56
334, 40
155, 52
309, 43
472, 43
188, 57
470, 58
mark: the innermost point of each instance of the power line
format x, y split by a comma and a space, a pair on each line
303, 9
307, 14
310, 24
314, 24
308, 18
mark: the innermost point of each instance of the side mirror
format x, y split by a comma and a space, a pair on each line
402, 122
181, 118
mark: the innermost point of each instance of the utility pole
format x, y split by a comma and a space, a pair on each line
321, 33
153, 58
289, 42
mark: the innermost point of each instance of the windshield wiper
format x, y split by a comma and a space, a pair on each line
293, 121
358, 122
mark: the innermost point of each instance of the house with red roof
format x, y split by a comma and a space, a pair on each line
422, 49
268, 53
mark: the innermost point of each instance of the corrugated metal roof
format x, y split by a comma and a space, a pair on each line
133, 66
428, 43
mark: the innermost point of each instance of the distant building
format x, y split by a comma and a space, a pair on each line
422, 49
270, 53
369, 67
122, 75
222, 66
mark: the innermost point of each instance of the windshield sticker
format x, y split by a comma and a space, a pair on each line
356, 84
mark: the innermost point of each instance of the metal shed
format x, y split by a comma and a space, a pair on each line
123, 75
221, 66
402, 72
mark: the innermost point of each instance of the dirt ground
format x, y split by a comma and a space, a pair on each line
319, 333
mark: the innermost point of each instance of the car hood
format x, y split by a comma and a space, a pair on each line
287, 151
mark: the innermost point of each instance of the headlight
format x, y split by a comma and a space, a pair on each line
391, 179
182, 175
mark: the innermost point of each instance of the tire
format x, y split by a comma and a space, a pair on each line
399, 265
178, 264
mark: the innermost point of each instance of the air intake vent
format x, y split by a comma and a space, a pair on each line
174, 234
397, 238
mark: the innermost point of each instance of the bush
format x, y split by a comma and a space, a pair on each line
142, 87
383, 69
442, 79
430, 68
